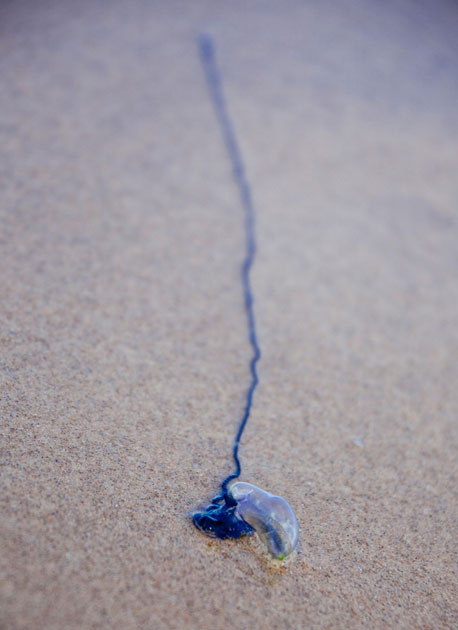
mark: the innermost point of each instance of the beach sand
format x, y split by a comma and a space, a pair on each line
123, 348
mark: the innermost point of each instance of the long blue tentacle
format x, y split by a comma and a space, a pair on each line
218, 519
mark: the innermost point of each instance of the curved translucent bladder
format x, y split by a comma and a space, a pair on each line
271, 517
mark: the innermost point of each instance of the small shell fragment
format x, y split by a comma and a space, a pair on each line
272, 517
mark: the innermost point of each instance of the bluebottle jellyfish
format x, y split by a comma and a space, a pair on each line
241, 509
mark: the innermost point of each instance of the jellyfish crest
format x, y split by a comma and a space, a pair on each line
271, 517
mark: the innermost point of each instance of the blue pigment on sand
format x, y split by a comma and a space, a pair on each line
219, 519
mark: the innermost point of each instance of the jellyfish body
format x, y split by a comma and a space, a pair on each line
270, 516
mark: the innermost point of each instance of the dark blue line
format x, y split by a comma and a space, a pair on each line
214, 82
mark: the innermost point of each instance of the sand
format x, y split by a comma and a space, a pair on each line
124, 356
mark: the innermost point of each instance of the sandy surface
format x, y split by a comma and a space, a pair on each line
123, 349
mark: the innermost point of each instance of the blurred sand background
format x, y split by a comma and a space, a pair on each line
124, 357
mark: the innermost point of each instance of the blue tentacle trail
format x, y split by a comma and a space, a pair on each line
218, 519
